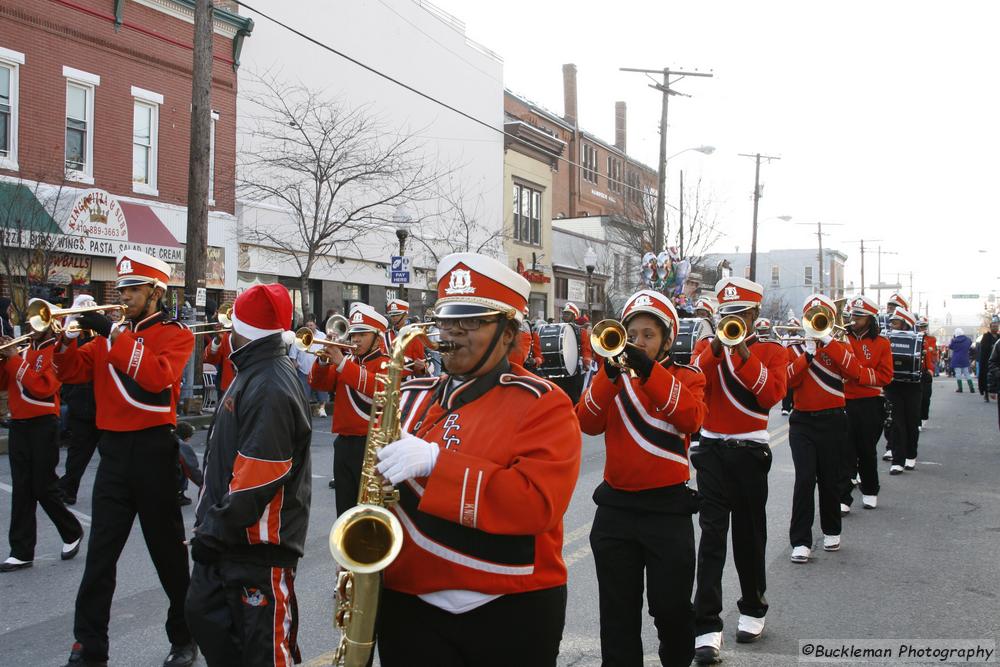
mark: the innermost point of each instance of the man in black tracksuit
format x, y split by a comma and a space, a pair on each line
253, 512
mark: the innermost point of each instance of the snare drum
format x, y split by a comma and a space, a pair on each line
560, 345
689, 331
907, 355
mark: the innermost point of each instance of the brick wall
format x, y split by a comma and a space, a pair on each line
53, 35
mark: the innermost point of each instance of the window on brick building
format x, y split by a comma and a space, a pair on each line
562, 288
775, 276
80, 89
588, 160
9, 62
614, 175
808, 274
527, 215
145, 140
634, 187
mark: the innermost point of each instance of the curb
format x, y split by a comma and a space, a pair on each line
198, 421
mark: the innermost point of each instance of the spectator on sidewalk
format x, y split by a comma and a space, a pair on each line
959, 347
188, 460
304, 361
986, 345
994, 377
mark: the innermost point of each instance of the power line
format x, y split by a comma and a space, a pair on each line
415, 91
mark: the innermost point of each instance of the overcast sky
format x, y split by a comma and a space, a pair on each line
884, 114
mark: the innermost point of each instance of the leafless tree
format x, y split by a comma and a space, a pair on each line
29, 236
775, 307
459, 222
338, 171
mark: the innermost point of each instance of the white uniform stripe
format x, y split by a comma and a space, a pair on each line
475, 506
461, 503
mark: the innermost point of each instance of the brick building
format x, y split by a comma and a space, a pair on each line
95, 112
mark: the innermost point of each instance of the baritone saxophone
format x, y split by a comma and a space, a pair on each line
365, 539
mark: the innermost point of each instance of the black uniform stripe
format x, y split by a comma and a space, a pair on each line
500, 549
825, 378
132, 388
661, 439
744, 396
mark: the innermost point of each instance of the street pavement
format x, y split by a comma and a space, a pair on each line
921, 566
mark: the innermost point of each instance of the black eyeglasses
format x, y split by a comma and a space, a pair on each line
464, 323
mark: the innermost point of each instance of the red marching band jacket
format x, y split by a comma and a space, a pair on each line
352, 385
930, 353
647, 424
739, 393
874, 357
137, 380
220, 357
489, 517
522, 349
819, 382
415, 350
30, 381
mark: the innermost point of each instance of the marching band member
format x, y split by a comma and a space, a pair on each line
485, 469
250, 525
905, 398
732, 462
396, 311
33, 392
351, 380
927, 377
644, 506
573, 384
764, 328
218, 353
865, 403
136, 369
520, 354
895, 301
789, 400
816, 429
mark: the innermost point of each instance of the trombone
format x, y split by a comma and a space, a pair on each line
305, 339
223, 317
26, 338
43, 315
336, 327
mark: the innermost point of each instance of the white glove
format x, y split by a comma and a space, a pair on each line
407, 458
66, 325
827, 339
810, 346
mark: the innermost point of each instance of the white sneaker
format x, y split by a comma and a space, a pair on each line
831, 542
70, 549
322, 411
920, 427
713, 639
844, 509
895, 470
910, 464
801, 554
887, 456
870, 502
856, 481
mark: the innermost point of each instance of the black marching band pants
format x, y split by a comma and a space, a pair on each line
348, 456
732, 480
926, 389
34, 454
815, 439
632, 546
244, 614
520, 629
137, 474
860, 451
84, 436
903, 434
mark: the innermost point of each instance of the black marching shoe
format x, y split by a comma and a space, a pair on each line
76, 658
707, 655
12, 564
183, 500
332, 483
181, 655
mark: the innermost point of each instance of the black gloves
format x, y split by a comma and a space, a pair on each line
205, 550
611, 370
638, 361
96, 322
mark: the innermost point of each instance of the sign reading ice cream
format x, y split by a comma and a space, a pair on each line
96, 214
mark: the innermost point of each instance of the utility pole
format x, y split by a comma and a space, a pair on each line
819, 255
756, 201
880, 253
196, 241
681, 211
665, 89
863, 251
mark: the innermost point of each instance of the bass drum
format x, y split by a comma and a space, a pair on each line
907, 355
689, 331
560, 348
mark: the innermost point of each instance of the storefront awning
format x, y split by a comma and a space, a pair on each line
20, 210
145, 227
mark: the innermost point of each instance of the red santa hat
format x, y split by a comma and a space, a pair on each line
652, 303
263, 310
138, 268
397, 307
738, 294
862, 305
363, 318
898, 301
572, 308
472, 284
904, 315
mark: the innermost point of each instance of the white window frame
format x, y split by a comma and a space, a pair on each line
152, 101
12, 60
211, 159
807, 276
775, 275
90, 82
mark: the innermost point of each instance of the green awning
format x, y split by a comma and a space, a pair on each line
21, 210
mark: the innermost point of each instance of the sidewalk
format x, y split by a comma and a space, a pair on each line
198, 421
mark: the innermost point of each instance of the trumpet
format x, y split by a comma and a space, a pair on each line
43, 315
26, 338
305, 339
732, 330
336, 327
224, 317
609, 339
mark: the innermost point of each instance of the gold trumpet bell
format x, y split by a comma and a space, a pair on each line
732, 331
608, 338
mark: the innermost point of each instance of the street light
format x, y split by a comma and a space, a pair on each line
589, 261
402, 218
704, 150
